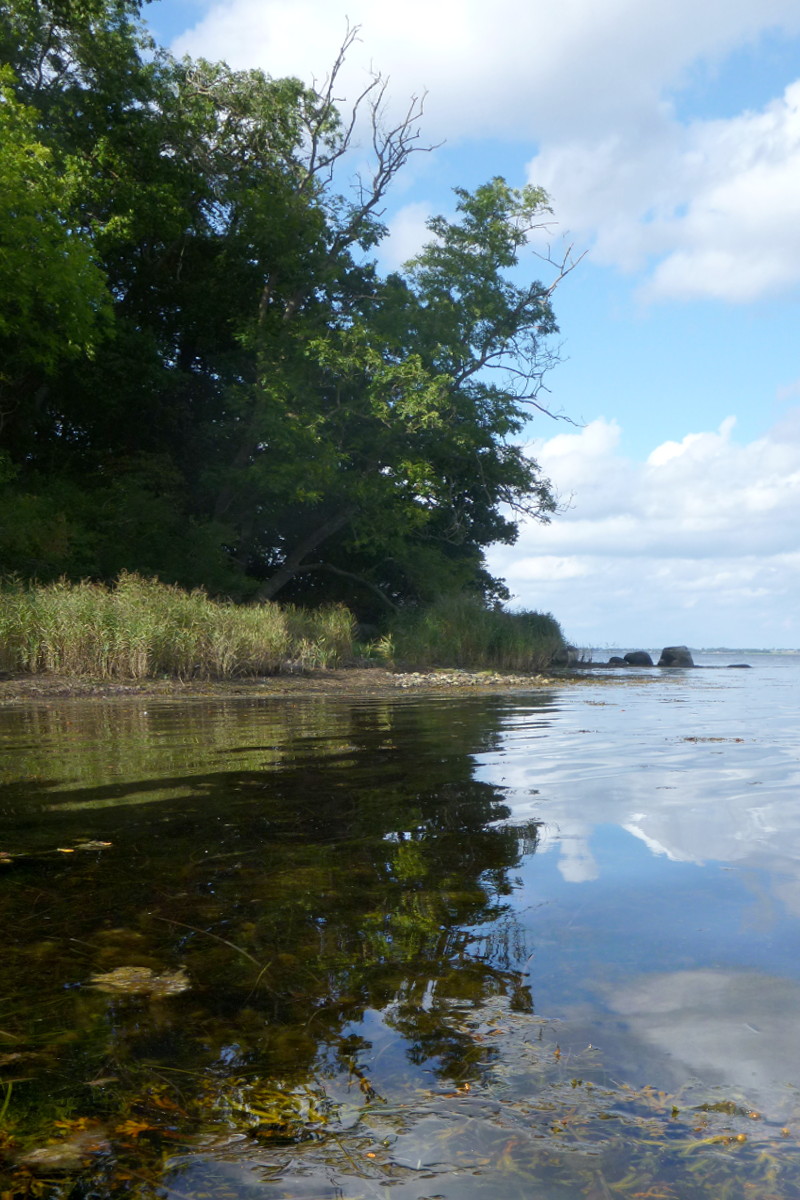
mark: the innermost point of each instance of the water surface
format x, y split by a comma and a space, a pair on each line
531, 945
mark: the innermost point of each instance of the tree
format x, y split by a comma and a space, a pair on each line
256, 409
426, 383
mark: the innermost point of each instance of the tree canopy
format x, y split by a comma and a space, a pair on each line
204, 374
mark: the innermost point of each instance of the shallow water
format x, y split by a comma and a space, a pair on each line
532, 945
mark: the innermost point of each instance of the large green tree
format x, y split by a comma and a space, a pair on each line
237, 396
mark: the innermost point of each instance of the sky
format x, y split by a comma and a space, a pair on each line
667, 135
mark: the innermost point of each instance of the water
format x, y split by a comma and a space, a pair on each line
531, 945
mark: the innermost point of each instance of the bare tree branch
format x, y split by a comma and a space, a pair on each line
330, 139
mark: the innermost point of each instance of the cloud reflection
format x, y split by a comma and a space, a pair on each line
738, 1029
702, 769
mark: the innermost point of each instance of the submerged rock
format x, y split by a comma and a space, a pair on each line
141, 981
68, 1155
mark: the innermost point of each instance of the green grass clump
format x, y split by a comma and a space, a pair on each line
321, 637
462, 632
141, 628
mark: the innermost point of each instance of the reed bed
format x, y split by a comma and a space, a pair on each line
461, 632
139, 628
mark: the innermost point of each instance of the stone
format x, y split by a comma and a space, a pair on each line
66, 1156
141, 981
676, 656
638, 658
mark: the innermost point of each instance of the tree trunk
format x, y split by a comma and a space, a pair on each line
293, 563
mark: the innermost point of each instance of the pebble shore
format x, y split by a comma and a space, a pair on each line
466, 679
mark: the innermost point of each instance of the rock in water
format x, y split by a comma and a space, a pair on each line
676, 656
141, 981
68, 1155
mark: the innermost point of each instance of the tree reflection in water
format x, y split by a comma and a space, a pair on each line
360, 871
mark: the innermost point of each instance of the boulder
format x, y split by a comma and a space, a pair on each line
676, 656
638, 658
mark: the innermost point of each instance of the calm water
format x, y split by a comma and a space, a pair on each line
541, 945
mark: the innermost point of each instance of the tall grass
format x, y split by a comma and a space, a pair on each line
461, 632
140, 628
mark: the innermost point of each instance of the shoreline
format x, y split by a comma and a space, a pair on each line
344, 682
351, 683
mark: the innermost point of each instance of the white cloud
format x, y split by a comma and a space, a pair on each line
697, 544
694, 1017
697, 446
707, 209
715, 202
506, 69
407, 234
550, 566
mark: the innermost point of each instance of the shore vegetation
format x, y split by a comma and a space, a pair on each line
461, 632
141, 628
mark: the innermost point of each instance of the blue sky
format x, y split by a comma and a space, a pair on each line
668, 137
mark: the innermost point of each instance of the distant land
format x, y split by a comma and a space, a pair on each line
698, 649
743, 650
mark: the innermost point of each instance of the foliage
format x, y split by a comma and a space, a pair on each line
205, 377
462, 632
53, 296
